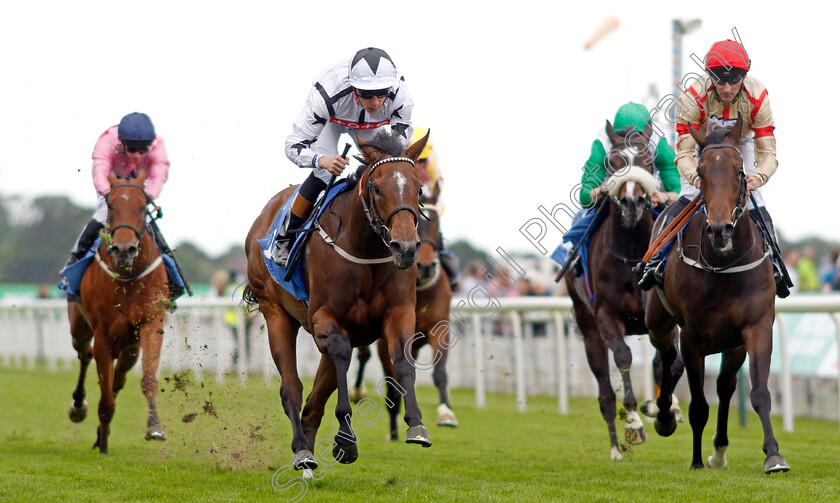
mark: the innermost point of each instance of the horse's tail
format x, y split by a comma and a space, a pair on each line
249, 299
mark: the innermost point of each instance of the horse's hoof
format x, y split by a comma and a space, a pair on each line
635, 436
78, 414
649, 408
775, 464
715, 461
665, 429
155, 433
304, 460
697, 466
345, 454
418, 435
615, 454
446, 417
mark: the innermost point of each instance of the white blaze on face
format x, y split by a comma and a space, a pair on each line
124, 196
401, 183
630, 188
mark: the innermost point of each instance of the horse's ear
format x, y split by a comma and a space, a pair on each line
112, 178
413, 152
436, 191
367, 150
699, 137
611, 134
735, 131
141, 177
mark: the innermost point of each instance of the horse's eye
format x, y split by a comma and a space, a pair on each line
376, 190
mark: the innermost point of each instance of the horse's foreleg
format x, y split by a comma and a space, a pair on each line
82, 337
125, 362
759, 346
398, 332
597, 356
614, 330
151, 340
282, 333
340, 351
698, 410
104, 367
731, 361
446, 417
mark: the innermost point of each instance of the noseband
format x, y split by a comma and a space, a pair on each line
376, 223
741, 204
142, 230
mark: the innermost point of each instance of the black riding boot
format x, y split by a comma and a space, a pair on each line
450, 263
757, 215
654, 271
283, 244
83, 244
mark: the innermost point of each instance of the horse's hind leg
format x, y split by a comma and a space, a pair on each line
359, 386
663, 336
125, 362
759, 346
82, 337
597, 356
151, 340
393, 397
731, 361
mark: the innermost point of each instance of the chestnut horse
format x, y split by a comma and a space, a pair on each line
616, 309
434, 294
361, 288
124, 298
719, 289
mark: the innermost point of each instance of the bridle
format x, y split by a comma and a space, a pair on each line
141, 233
741, 204
379, 227
630, 159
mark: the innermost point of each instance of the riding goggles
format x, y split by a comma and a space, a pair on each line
137, 147
367, 94
730, 76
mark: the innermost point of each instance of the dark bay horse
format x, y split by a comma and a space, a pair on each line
719, 289
365, 293
124, 298
434, 295
616, 309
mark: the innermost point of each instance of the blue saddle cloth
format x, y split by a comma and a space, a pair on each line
75, 272
295, 285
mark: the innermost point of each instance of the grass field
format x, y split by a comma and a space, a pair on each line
497, 454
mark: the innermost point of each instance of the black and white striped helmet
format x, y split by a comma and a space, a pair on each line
371, 69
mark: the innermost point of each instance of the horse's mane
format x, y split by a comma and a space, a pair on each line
385, 141
717, 135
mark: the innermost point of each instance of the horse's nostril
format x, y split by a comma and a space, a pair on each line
396, 248
728, 230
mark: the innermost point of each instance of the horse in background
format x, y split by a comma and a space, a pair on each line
434, 295
361, 282
616, 308
123, 304
719, 289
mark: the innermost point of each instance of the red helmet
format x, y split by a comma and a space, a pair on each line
727, 60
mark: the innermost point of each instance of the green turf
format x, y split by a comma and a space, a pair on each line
497, 454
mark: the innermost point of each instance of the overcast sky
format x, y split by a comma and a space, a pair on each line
511, 96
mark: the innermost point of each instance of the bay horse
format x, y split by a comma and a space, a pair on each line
124, 298
719, 289
434, 294
615, 247
361, 288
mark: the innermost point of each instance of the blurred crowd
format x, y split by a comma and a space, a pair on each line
812, 274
